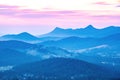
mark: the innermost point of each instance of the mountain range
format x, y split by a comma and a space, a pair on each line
59, 33
63, 54
21, 37
17, 52
75, 43
60, 69
88, 31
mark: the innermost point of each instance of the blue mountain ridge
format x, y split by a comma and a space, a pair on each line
60, 68
89, 31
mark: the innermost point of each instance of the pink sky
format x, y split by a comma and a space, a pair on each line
41, 16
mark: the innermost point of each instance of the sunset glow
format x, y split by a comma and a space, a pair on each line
44, 15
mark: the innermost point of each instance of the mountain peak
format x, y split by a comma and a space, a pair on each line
90, 27
24, 33
24, 36
27, 35
58, 28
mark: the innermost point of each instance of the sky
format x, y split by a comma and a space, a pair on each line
41, 16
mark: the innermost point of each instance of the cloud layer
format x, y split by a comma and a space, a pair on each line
21, 18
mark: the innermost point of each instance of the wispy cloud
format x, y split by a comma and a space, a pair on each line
102, 3
5, 68
93, 48
118, 6
15, 11
7, 10
107, 16
7, 7
16, 15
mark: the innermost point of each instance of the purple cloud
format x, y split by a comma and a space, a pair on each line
15, 15
50, 14
107, 16
118, 6
8, 10
14, 11
101, 3
7, 6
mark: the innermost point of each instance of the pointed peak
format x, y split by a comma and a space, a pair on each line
90, 27
57, 28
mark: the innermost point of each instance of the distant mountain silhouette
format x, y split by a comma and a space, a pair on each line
71, 43
59, 33
90, 27
88, 31
21, 37
81, 43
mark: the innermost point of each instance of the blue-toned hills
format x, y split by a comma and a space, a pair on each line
89, 31
17, 52
21, 37
63, 54
74, 42
61, 68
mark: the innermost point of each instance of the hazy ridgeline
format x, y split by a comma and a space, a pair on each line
63, 54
